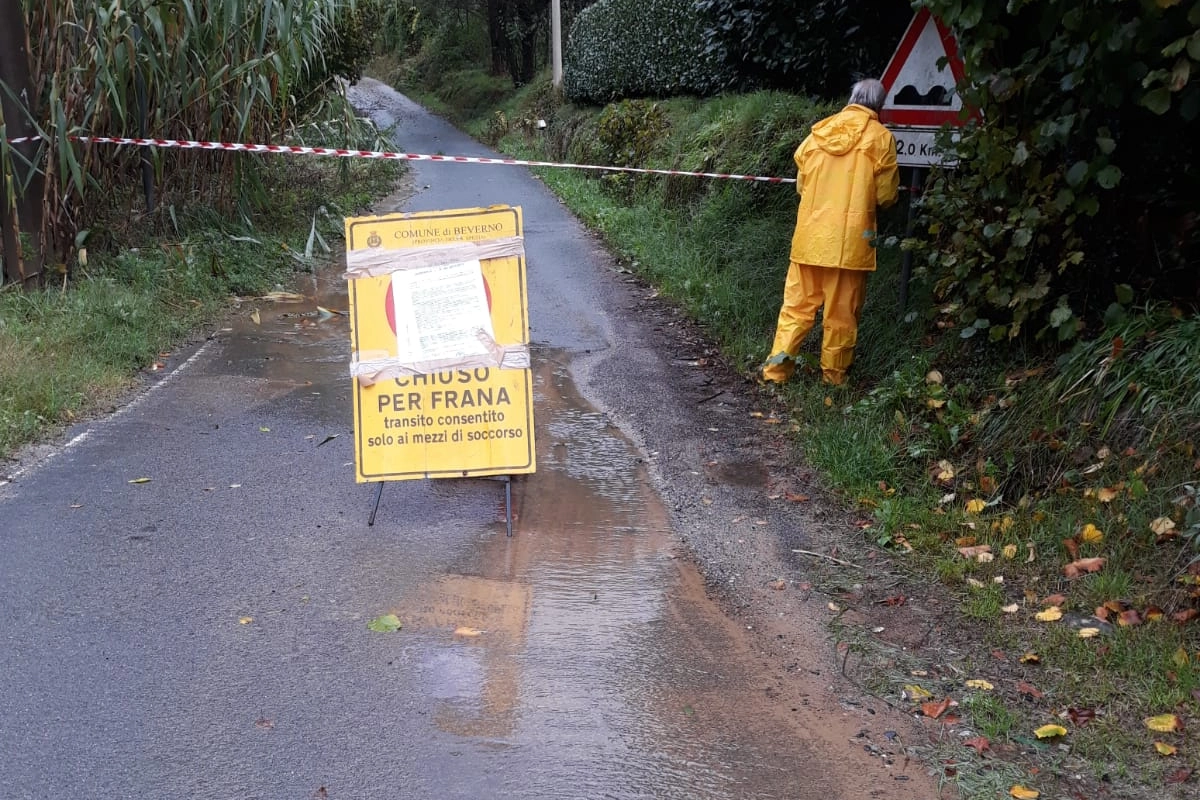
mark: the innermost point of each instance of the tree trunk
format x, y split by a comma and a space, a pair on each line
17, 107
495, 23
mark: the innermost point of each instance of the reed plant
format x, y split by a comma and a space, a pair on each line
217, 70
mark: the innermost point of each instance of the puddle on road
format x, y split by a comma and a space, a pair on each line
595, 665
598, 655
294, 347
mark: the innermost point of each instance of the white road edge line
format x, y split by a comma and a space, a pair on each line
83, 436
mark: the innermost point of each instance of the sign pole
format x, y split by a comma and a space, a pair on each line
375, 508
916, 183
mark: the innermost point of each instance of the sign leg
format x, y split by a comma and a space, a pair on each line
914, 191
508, 503
375, 508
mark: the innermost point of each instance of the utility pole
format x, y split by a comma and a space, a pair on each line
556, 43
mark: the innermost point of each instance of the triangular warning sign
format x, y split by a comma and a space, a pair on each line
918, 91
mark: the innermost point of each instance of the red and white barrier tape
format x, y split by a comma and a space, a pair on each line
183, 144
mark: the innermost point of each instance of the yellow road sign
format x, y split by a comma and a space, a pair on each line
439, 326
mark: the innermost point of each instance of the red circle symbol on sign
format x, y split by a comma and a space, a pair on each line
389, 304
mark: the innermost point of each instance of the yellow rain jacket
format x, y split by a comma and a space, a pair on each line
847, 167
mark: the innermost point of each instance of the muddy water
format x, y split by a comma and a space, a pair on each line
580, 657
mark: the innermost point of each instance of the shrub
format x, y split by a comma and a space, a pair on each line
1082, 175
819, 48
638, 48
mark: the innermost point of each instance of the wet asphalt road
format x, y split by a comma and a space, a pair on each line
204, 634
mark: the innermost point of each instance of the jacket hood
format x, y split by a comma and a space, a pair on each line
838, 134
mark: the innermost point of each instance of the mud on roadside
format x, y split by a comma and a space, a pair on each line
839, 623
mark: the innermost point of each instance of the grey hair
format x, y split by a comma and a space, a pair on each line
868, 92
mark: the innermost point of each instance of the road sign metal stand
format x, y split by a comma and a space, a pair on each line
375, 508
916, 184
508, 515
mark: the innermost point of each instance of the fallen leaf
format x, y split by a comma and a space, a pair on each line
1091, 534
1011, 608
264, 724
835, 608
468, 632
1023, 793
945, 471
985, 558
895, 600
283, 297
975, 582
1051, 614
1029, 689
980, 683
1010, 551
264, 429
1072, 547
245, 620
934, 709
778, 584
792, 497
1083, 565
1032, 553
140, 480
1081, 716
388, 623
255, 317
1180, 657
1030, 658
1165, 749
934, 377
828, 402
1106, 495
1162, 526
1129, 618
976, 506
974, 551
1164, 723
1187, 615
978, 744
914, 692
1180, 775
1153, 613
1050, 731
1088, 633
1055, 600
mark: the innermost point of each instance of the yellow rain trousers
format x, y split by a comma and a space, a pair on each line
845, 170
842, 292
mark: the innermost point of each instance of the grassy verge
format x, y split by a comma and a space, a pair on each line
69, 350
1049, 497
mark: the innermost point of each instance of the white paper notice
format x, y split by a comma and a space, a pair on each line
440, 312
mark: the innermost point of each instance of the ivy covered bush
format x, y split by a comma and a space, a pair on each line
818, 48
1080, 187
639, 48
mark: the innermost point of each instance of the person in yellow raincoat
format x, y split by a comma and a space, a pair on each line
846, 168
